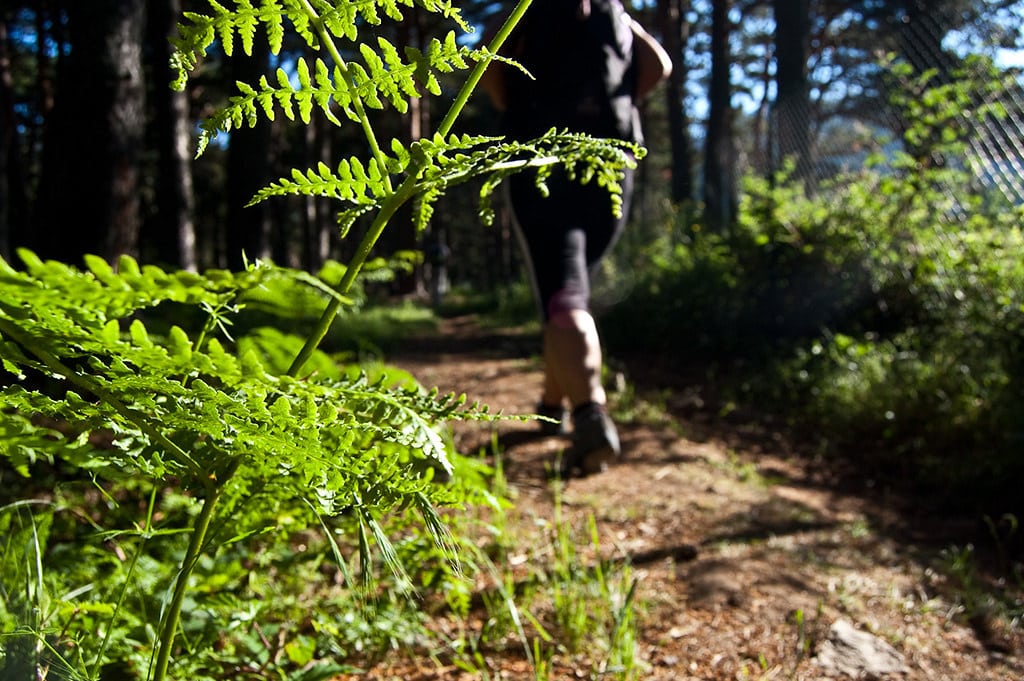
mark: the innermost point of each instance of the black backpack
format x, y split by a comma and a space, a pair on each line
581, 54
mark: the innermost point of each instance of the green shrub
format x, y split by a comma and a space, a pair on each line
882, 313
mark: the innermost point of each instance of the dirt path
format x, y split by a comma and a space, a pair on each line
745, 557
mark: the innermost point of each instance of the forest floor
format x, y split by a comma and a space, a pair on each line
747, 555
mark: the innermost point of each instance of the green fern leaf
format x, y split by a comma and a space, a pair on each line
280, 410
251, 366
138, 334
454, 55
446, 9
179, 344
271, 17
128, 267
352, 182
391, 9
366, 88
406, 80
305, 93
265, 98
283, 94
332, 88
224, 27
400, 161
396, 80
425, 207
194, 38
385, 77
246, 24
14, 359
348, 217
111, 332
381, 81
224, 364
101, 269
424, 73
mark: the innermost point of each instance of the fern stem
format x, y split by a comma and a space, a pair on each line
364, 120
169, 628
404, 192
448, 122
408, 187
86, 383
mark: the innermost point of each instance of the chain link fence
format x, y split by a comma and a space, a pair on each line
980, 60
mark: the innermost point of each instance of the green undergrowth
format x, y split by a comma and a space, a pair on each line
151, 467
330, 549
547, 593
188, 457
881, 316
512, 305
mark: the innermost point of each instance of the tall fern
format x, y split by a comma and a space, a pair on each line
189, 409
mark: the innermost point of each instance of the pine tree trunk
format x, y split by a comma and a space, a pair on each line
88, 200
792, 105
8, 137
720, 157
248, 170
169, 236
675, 35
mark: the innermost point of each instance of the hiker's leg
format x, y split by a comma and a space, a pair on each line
572, 355
563, 236
572, 350
572, 359
542, 225
572, 346
552, 393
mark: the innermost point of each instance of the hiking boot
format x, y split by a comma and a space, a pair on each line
559, 426
595, 441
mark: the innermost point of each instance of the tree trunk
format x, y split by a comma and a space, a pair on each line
89, 190
675, 34
792, 104
248, 170
761, 124
720, 157
8, 143
170, 233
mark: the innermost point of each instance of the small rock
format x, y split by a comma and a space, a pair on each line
857, 653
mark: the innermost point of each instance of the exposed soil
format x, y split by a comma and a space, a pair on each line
732, 536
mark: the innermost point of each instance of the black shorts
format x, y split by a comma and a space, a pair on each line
565, 234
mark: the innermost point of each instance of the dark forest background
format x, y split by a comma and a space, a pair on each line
96, 150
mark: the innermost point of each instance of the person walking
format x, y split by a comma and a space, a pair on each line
589, 64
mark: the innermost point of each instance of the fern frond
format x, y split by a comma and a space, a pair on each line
451, 161
342, 19
225, 23
424, 209
162, 395
319, 88
456, 160
352, 182
385, 77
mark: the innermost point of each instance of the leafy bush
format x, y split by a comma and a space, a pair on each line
882, 313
